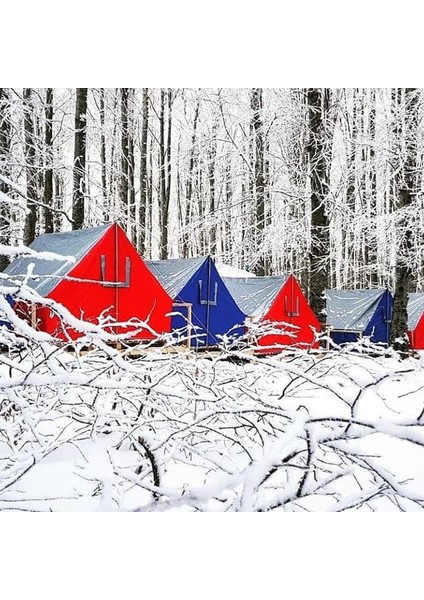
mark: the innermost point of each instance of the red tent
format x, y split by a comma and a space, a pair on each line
416, 320
106, 279
280, 303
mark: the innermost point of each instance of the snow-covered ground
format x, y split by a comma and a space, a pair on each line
211, 432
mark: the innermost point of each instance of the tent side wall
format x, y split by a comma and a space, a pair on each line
291, 313
345, 337
85, 300
416, 336
380, 323
142, 299
214, 311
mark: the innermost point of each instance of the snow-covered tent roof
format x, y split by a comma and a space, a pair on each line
49, 273
228, 271
255, 295
415, 309
351, 309
175, 273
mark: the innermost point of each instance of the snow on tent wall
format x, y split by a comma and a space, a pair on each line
351, 309
255, 295
49, 272
415, 309
174, 273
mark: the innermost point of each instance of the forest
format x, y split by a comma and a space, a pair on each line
322, 183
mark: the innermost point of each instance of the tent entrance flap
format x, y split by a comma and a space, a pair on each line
115, 284
189, 318
207, 301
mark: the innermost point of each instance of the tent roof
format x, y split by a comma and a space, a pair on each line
415, 309
175, 273
228, 271
50, 272
351, 309
255, 295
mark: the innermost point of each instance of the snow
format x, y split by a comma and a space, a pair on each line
225, 431
228, 271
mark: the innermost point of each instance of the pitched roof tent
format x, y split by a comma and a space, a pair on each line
196, 281
255, 295
416, 320
108, 279
351, 313
48, 274
175, 273
280, 302
415, 309
351, 309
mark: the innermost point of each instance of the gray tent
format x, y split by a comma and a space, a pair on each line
175, 273
353, 313
255, 295
416, 320
415, 309
48, 273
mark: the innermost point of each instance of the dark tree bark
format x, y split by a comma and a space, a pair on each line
5, 135
165, 167
258, 174
123, 183
80, 142
32, 171
48, 175
407, 189
105, 192
143, 174
227, 241
131, 170
318, 145
131, 190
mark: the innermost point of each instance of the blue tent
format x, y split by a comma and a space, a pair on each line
196, 281
4, 322
352, 314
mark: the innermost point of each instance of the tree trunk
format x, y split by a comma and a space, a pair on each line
48, 175
318, 147
143, 174
259, 179
165, 169
190, 178
31, 167
5, 134
80, 141
212, 189
132, 229
123, 183
105, 193
407, 190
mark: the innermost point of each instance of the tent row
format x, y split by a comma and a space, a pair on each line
108, 282
352, 314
